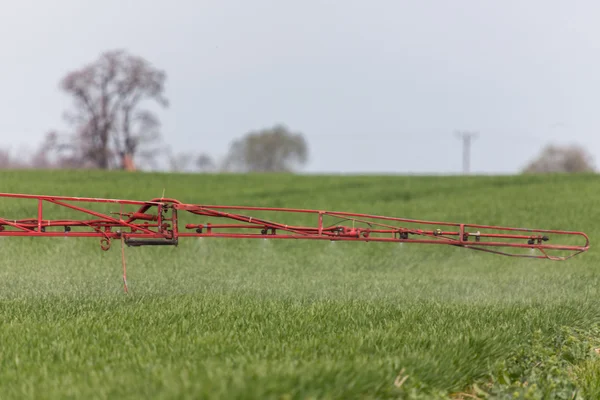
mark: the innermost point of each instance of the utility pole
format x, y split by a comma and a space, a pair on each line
467, 137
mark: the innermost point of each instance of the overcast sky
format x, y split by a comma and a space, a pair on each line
376, 86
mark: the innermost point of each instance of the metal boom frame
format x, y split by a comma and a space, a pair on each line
156, 222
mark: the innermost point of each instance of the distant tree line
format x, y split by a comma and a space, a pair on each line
111, 129
273, 149
561, 159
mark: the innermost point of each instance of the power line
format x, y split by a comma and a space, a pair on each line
467, 137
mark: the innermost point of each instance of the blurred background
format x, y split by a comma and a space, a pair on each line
313, 86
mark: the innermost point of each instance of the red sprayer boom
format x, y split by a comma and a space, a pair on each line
158, 222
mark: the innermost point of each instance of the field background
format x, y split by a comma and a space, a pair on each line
222, 318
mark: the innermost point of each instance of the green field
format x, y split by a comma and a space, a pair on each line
227, 319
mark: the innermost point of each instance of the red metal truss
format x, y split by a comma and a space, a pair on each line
159, 222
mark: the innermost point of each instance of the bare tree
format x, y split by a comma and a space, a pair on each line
6, 160
566, 159
205, 162
180, 162
21, 159
275, 149
110, 128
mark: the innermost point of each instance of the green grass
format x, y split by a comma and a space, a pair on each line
222, 318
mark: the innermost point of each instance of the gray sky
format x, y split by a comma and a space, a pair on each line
376, 86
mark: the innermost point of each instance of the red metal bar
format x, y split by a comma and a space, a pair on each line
156, 222
40, 215
105, 217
